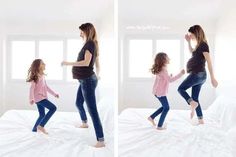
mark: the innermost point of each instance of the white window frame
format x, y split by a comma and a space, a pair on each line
154, 38
36, 39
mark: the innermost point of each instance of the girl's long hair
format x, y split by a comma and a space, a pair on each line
199, 34
91, 35
33, 72
159, 62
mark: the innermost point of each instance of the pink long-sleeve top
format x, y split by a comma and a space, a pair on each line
38, 91
161, 84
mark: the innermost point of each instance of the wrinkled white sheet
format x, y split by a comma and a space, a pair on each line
64, 139
183, 138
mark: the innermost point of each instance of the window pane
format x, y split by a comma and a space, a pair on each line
172, 49
73, 48
52, 54
140, 58
23, 53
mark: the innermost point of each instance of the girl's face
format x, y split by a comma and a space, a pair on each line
167, 60
42, 66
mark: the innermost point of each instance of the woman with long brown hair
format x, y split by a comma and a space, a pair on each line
196, 69
83, 71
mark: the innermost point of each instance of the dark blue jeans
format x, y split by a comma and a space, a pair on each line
86, 92
43, 119
163, 110
194, 80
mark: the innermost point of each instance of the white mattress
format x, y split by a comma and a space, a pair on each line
64, 139
138, 138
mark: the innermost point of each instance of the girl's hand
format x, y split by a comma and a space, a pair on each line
57, 95
187, 37
182, 71
214, 82
64, 63
31, 102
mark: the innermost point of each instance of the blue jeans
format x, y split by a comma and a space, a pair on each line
194, 80
86, 92
163, 110
43, 119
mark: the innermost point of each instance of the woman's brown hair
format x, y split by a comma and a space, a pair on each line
159, 62
33, 72
91, 34
199, 34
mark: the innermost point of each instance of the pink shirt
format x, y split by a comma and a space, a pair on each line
161, 84
38, 91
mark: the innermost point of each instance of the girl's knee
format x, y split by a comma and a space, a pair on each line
166, 109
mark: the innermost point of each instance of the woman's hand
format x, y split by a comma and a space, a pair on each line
214, 82
187, 37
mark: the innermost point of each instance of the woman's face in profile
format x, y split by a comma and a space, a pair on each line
82, 34
192, 36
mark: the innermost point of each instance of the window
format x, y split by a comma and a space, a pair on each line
140, 58
23, 52
172, 49
51, 52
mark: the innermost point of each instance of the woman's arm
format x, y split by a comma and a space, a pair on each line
187, 38
97, 65
83, 63
210, 69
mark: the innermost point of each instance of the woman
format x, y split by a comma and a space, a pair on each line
196, 69
83, 71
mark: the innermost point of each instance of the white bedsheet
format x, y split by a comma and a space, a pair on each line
64, 139
138, 138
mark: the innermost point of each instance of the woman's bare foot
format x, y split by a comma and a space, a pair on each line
161, 128
193, 105
40, 128
99, 144
84, 125
200, 121
152, 121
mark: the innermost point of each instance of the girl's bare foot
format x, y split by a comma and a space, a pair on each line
193, 105
99, 144
84, 125
200, 121
161, 128
40, 128
152, 121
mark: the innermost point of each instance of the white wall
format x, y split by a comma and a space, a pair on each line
1, 70
226, 50
138, 93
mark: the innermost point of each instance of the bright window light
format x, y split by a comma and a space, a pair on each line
140, 58
108, 64
172, 49
23, 53
73, 48
52, 54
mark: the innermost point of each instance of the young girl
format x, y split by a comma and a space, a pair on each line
38, 94
160, 87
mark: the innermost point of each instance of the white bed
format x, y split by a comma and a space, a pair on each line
64, 139
216, 138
